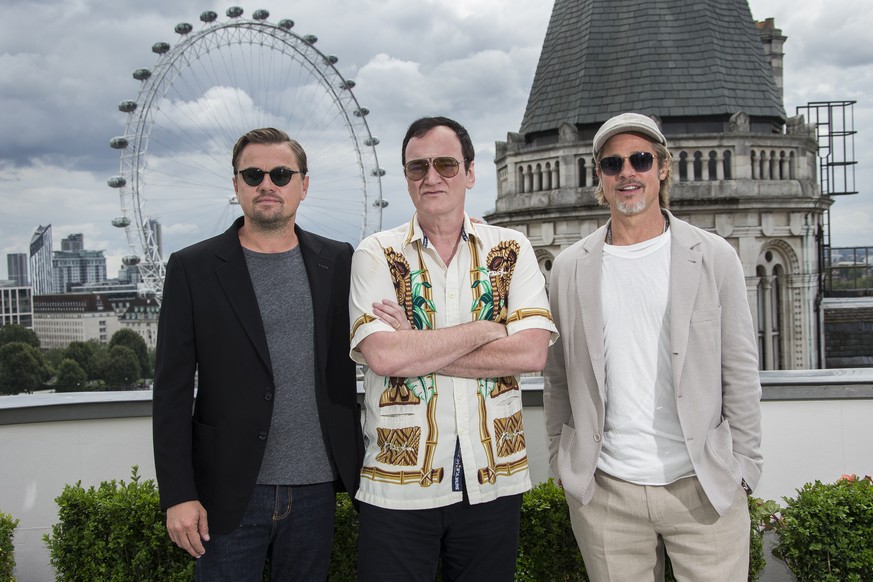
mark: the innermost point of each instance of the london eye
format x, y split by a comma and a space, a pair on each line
216, 83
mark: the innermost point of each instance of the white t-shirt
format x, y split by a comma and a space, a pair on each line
642, 441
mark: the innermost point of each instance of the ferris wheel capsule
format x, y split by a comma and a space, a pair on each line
146, 293
127, 106
234, 12
142, 74
160, 48
116, 182
286, 24
121, 222
183, 28
261, 14
130, 260
208, 16
118, 143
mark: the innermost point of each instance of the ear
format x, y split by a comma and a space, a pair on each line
305, 189
235, 185
471, 175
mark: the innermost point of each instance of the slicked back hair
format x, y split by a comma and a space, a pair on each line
269, 136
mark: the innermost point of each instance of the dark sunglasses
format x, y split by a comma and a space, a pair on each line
417, 169
639, 161
279, 176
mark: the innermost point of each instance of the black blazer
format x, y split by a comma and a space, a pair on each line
210, 323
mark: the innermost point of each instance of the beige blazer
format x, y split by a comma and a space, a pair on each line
715, 364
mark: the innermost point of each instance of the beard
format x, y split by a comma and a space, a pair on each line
274, 220
631, 208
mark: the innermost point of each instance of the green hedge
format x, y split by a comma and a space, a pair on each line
826, 532
7, 550
116, 532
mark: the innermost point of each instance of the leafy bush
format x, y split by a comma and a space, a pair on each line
826, 532
547, 548
344, 558
7, 558
115, 533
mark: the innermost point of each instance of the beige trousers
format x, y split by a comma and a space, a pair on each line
626, 528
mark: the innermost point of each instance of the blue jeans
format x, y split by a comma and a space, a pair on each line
291, 526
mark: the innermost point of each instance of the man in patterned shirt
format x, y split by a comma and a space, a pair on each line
445, 315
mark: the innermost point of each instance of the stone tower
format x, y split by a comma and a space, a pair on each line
711, 77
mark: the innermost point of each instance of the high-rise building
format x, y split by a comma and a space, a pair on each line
16, 269
73, 243
41, 260
16, 304
71, 268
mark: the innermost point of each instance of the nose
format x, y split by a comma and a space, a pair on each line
432, 176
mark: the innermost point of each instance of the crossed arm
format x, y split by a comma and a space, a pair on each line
478, 349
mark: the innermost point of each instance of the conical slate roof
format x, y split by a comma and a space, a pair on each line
673, 58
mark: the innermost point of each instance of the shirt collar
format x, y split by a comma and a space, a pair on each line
415, 232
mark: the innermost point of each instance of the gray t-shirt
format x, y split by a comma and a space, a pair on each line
296, 453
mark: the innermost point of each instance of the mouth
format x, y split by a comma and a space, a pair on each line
630, 187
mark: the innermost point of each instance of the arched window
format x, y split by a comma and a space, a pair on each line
772, 314
728, 172
683, 166
698, 166
712, 166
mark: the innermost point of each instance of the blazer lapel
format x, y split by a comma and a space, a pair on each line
233, 275
685, 267
319, 269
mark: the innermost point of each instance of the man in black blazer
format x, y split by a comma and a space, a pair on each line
248, 469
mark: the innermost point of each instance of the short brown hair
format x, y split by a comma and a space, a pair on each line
267, 136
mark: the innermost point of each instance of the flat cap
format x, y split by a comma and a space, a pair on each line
628, 123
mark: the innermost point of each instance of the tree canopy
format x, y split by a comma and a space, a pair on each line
18, 333
22, 368
132, 340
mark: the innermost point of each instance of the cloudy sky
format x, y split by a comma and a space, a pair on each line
66, 64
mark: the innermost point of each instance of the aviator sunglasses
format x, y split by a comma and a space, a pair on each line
417, 169
279, 176
639, 161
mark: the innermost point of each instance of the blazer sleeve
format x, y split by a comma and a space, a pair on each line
173, 396
741, 383
347, 441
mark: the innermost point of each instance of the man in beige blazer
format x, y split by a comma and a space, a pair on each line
652, 393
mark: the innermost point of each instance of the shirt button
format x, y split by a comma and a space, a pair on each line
268, 395
262, 435
597, 437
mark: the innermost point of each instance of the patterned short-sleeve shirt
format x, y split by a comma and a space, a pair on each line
429, 437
